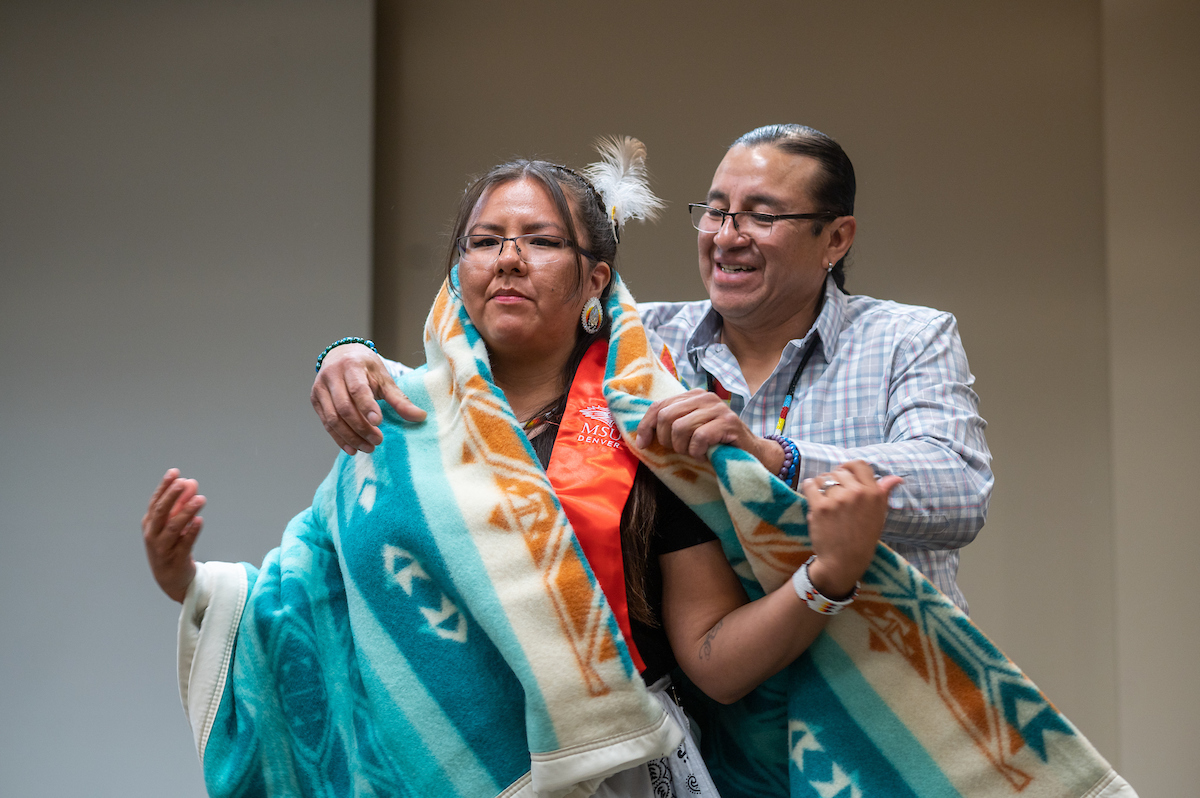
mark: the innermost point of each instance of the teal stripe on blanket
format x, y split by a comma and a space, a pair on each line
421, 718
854, 720
394, 564
461, 560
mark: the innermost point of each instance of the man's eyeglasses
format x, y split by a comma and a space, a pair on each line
752, 223
534, 249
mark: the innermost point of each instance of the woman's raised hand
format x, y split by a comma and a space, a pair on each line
169, 530
344, 394
846, 511
727, 644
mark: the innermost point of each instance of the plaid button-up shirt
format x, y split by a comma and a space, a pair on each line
888, 384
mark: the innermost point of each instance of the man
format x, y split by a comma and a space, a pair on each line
784, 363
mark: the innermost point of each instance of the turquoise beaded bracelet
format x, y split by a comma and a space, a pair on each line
339, 342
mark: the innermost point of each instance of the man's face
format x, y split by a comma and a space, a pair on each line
768, 280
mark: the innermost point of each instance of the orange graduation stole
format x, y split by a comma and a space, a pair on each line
592, 472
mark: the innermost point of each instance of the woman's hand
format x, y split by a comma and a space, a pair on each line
845, 521
728, 645
169, 530
345, 393
693, 422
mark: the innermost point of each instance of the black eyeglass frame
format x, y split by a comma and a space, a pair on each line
460, 242
774, 217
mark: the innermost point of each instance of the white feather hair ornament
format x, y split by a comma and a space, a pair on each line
621, 180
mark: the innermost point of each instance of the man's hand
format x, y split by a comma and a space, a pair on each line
345, 393
169, 530
693, 422
846, 510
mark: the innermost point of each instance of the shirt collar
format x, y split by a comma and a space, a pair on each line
708, 331
828, 325
829, 321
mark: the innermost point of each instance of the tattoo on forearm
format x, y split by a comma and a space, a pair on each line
706, 646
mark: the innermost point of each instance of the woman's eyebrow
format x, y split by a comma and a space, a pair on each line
492, 227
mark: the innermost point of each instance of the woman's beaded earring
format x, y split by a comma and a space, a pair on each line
592, 316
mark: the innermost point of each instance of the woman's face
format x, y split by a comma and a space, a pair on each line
526, 314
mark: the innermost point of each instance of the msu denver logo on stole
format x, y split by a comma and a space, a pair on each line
604, 431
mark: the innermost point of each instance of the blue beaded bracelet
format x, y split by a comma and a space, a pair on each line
791, 458
339, 342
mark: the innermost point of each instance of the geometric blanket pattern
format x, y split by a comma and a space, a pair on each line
430, 626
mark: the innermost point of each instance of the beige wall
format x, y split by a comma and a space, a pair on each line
976, 132
184, 223
1152, 163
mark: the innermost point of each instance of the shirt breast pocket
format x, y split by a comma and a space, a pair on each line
846, 433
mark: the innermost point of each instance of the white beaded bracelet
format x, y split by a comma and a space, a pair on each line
813, 598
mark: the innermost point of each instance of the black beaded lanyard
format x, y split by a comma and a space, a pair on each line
715, 387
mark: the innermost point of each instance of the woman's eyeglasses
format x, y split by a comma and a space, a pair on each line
534, 248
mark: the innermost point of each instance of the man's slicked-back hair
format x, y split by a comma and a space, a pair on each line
834, 188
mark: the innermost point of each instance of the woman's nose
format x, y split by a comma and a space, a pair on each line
509, 259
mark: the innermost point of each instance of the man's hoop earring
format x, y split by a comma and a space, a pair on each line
592, 316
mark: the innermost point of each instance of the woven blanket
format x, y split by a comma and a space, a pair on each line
430, 627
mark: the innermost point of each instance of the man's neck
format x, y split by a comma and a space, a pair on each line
757, 349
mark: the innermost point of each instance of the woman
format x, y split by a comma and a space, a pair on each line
534, 262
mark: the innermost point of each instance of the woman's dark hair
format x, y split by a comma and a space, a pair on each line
570, 190
566, 188
834, 188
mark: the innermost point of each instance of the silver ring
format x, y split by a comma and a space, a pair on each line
827, 484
